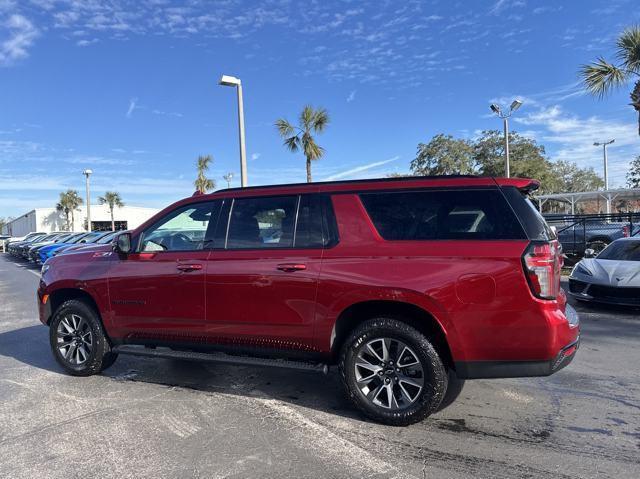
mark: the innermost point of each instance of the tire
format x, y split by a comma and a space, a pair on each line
454, 389
401, 397
78, 341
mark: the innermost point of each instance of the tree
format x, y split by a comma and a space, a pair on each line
601, 76
527, 158
3, 223
573, 179
202, 183
300, 137
633, 175
444, 155
69, 202
112, 199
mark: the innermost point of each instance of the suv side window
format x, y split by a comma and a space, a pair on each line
184, 229
316, 226
450, 214
265, 222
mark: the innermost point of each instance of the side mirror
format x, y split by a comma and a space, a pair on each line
122, 244
589, 253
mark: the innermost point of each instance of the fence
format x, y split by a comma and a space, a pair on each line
577, 233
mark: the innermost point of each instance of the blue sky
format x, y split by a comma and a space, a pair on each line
129, 88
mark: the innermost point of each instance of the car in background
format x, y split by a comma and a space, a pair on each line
47, 251
611, 277
107, 238
23, 250
15, 246
31, 252
579, 234
89, 238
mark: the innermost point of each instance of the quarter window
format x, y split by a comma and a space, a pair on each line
185, 229
431, 215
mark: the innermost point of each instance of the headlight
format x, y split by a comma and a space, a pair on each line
45, 268
581, 269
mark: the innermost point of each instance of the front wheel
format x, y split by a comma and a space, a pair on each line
392, 373
78, 341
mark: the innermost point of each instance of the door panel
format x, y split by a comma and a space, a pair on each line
158, 294
253, 297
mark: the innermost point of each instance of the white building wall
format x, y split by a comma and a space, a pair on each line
48, 219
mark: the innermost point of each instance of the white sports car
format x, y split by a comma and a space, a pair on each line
612, 277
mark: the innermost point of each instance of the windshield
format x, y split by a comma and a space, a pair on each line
622, 251
108, 238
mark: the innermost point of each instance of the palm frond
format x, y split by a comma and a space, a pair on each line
312, 150
292, 143
601, 77
284, 128
306, 118
629, 48
320, 120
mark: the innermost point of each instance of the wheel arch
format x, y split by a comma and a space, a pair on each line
409, 313
59, 296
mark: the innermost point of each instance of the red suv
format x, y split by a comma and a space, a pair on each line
403, 283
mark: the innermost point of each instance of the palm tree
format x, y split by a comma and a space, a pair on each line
299, 137
69, 202
600, 77
202, 183
112, 199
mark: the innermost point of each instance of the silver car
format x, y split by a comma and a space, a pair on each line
612, 277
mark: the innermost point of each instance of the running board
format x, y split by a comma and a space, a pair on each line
217, 357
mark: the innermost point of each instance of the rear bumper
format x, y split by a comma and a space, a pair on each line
517, 369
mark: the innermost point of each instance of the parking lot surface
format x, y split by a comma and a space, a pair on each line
166, 418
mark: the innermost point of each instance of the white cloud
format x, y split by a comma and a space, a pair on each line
355, 172
255, 156
352, 96
86, 43
167, 113
133, 104
570, 137
22, 34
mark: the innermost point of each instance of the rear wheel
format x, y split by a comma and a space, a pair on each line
78, 341
392, 373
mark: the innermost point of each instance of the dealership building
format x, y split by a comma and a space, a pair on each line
49, 219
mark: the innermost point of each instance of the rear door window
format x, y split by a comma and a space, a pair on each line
266, 222
442, 214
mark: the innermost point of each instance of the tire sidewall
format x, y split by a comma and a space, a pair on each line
93, 364
436, 378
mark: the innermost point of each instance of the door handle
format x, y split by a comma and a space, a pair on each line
291, 267
189, 267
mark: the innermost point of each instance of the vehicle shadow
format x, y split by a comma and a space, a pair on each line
30, 345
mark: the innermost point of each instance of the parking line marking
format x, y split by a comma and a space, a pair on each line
33, 272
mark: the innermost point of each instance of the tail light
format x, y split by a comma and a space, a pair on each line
542, 264
625, 231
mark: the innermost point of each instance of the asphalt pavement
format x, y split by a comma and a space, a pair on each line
165, 418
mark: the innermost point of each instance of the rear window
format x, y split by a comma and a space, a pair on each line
448, 214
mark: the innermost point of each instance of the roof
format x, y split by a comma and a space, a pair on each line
381, 183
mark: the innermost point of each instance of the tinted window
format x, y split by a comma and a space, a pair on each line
530, 218
310, 231
430, 215
262, 222
624, 250
183, 229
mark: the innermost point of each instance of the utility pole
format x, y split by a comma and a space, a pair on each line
227, 80
604, 145
87, 173
515, 104
228, 177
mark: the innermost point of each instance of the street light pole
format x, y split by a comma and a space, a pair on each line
604, 145
227, 80
228, 177
87, 173
515, 104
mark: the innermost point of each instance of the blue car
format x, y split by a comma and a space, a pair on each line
46, 252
